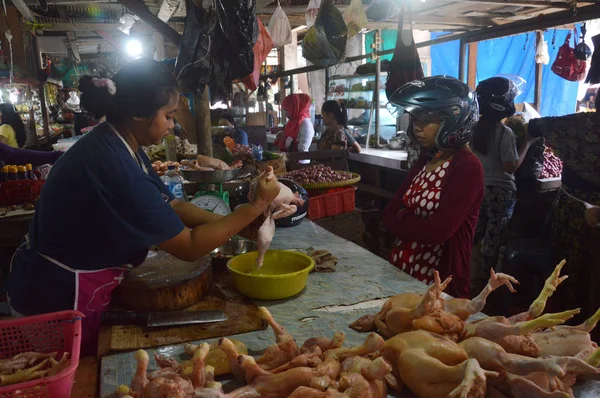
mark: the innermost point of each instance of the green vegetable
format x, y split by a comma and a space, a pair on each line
270, 155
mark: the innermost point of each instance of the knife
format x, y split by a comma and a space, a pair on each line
161, 319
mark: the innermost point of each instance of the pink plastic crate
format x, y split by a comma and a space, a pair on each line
58, 331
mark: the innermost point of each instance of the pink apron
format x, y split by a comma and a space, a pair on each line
93, 293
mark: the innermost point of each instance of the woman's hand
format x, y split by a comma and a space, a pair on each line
266, 190
592, 216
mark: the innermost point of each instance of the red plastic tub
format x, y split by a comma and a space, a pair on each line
55, 332
330, 204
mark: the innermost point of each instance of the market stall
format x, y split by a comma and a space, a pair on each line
330, 302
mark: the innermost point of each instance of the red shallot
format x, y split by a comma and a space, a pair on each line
316, 174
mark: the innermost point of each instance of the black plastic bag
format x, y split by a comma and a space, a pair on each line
217, 44
194, 58
405, 65
239, 31
325, 42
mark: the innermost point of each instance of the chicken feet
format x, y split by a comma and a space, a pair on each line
539, 304
284, 351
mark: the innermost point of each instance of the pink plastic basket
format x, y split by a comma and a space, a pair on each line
57, 331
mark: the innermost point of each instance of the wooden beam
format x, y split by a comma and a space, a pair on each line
540, 22
462, 60
24, 10
537, 4
140, 9
203, 133
472, 66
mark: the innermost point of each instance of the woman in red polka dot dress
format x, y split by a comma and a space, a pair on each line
434, 213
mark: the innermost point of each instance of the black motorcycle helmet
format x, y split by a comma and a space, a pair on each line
302, 211
496, 97
240, 196
447, 97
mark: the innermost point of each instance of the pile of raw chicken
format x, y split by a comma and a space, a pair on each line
431, 350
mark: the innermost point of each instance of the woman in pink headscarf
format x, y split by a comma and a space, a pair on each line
299, 131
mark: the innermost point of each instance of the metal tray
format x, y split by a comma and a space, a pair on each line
210, 177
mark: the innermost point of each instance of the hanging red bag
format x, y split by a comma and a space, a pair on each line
405, 65
566, 64
263, 46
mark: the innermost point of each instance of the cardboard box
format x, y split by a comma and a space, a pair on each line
277, 164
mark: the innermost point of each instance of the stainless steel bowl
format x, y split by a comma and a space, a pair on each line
234, 247
214, 176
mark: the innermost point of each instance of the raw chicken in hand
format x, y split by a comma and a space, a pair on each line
284, 205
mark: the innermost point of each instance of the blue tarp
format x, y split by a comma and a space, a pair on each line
514, 55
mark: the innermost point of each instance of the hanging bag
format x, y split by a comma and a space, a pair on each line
405, 65
355, 18
566, 65
582, 51
280, 28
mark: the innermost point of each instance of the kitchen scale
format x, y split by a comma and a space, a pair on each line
216, 200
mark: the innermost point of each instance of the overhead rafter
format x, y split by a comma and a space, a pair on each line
24, 10
140, 9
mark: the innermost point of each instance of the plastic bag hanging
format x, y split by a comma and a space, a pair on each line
126, 22
263, 46
355, 18
541, 53
325, 42
405, 65
312, 11
280, 28
382, 10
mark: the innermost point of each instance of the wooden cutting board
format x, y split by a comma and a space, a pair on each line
242, 317
165, 283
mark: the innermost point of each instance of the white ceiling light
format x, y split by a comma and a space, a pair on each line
134, 48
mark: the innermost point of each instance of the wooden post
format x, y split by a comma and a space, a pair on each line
375, 98
539, 69
462, 58
41, 93
327, 79
203, 133
472, 66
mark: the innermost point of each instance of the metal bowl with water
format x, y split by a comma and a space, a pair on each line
234, 247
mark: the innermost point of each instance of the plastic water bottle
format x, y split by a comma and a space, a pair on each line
257, 152
174, 182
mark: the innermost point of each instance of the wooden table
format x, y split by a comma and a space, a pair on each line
86, 379
330, 302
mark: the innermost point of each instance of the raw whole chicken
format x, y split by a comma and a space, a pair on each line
433, 366
567, 340
514, 334
430, 311
284, 205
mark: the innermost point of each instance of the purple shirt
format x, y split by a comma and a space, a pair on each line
10, 155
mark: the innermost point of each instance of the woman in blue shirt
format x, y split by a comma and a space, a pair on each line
102, 206
239, 136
